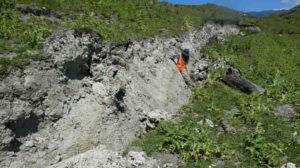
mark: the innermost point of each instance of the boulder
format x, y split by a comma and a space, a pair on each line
234, 79
285, 111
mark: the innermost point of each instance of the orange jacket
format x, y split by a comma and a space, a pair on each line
181, 65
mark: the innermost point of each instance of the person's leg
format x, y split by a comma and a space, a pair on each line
187, 79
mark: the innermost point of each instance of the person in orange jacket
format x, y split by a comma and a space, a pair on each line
181, 60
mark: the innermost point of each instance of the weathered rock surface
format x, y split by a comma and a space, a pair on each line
167, 160
200, 71
285, 111
154, 117
91, 92
102, 157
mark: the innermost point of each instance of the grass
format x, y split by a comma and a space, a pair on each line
20, 61
280, 23
24, 39
121, 20
260, 139
114, 20
270, 59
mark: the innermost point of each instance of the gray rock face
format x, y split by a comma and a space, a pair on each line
167, 160
90, 92
102, 157
286, 111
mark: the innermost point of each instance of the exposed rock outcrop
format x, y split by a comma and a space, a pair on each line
91, 92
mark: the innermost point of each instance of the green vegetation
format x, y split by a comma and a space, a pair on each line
272, 60
25, 39
119, 20
268, 59
260, 138
287, 22
113, 20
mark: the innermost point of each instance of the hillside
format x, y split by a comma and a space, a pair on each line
264, 13
91, 84
215, 12
23, 28
283, 22
226, 128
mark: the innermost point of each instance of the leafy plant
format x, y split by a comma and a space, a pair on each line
266, 153
190, 140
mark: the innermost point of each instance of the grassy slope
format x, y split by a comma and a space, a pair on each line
286, 22
261, 139
270, 60
114, 20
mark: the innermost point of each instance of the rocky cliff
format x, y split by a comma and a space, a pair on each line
90, 98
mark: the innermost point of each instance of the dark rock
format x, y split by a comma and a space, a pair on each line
36, 11
47, 15
23, 125
234, 79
